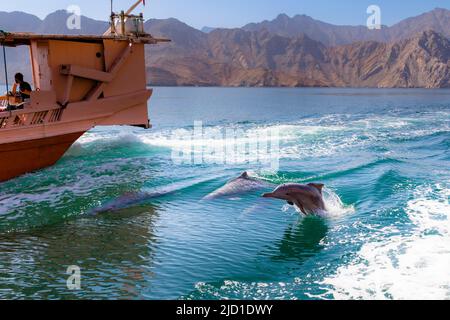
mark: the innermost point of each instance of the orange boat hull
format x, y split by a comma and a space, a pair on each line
22, 157
83, 82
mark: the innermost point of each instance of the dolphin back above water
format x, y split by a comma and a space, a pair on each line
308, 198
242, 184
125, 201
131, 199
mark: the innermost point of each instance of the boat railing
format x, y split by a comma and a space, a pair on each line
30, 117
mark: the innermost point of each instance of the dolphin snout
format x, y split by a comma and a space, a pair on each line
267, 195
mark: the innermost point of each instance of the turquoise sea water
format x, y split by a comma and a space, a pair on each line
384, 156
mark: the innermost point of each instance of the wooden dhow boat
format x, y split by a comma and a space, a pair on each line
80, 82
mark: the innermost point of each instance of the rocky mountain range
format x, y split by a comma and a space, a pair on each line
332, 35
288, 51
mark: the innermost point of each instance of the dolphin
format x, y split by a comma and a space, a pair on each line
125, 201
130, 199
242, 184
308, 198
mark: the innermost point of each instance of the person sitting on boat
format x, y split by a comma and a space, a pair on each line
24, 89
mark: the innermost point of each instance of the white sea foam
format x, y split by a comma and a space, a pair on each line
334, 205
318, 137
413, 266
244, 290
185, 137
249, 143
118, 138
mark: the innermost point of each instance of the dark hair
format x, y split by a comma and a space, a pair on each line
19, 76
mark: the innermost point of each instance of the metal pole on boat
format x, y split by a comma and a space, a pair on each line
4, 61
6, 71
6, 68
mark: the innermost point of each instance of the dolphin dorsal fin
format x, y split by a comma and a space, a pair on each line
244, 175
318, 186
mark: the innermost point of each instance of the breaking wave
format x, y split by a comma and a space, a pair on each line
413, 266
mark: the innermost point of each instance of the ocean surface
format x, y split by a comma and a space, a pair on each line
125, 210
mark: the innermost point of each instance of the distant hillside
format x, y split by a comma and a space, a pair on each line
19, 21
297, 51
243, 58
56, 22
408, 54
208, 29
332, 35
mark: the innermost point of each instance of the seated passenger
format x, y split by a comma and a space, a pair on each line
24, 87
20, 96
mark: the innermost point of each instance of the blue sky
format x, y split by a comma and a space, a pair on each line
235, 13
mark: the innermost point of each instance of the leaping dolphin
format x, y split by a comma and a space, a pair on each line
242, 184
308, 198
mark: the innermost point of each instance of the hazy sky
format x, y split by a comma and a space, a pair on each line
236, 13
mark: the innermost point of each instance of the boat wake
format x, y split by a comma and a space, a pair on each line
413, 266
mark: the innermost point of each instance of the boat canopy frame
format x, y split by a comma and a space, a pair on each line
15, 39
